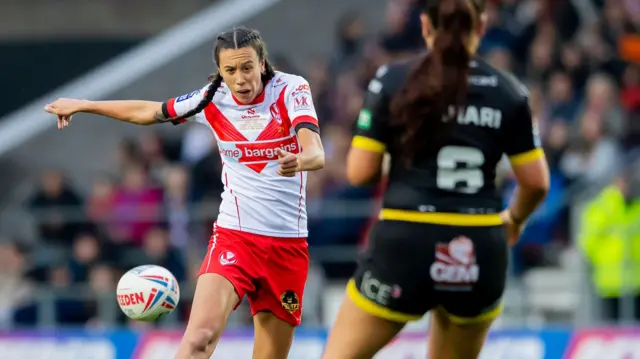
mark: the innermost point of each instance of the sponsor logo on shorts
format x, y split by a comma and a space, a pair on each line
257, 151
290, 301
377, 291
227, 258
455, 267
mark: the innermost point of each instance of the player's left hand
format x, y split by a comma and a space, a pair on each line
288, 163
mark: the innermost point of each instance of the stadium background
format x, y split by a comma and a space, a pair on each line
78, 207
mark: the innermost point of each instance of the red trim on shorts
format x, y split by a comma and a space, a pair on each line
214, 238
305, 119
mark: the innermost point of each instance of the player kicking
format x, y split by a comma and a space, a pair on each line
268, 137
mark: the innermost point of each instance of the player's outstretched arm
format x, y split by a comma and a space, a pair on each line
133, 111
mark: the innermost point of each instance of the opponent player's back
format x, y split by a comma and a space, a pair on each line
460, 176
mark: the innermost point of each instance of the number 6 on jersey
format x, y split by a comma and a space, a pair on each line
468, 179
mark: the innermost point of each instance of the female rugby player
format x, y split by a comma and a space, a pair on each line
441, 245
268, 137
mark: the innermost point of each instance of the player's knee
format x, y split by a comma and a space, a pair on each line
200, 339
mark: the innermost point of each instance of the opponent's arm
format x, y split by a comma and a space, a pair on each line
368, 147
529, 166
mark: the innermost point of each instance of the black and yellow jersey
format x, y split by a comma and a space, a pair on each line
458, 180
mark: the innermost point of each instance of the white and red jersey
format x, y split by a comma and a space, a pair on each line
255, 198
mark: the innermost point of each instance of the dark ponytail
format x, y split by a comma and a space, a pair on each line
235, 39
427, 107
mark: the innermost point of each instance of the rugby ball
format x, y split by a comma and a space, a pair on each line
146, 293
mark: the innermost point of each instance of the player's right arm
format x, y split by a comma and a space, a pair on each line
529, 166
133, 111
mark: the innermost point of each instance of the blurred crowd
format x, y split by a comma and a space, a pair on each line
158, 201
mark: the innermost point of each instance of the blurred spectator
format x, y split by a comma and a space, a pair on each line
594, 156
157, 249
563, 104
196, 144
152, 156
176, 204
602, 99
56, 207
85, 253
350, 39
631, 87
206, 177
101, 202
137, 207
404, 35
15, 289
610, 239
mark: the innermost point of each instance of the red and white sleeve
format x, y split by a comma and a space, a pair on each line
179, 106
299, 103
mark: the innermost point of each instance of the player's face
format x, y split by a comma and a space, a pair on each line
241, 70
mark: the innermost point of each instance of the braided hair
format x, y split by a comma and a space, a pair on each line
237, 38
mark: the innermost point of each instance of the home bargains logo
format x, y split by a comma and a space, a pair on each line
256, 152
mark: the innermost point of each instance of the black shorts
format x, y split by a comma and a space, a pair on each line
411, 268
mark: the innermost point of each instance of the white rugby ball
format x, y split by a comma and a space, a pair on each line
148, 292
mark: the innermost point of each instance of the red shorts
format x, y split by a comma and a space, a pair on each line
270, 271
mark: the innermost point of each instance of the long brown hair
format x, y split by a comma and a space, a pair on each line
437, 88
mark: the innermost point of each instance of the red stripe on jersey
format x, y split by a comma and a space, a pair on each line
278, 127
282, 107
171, 107
226, 183
225, 130
305, 119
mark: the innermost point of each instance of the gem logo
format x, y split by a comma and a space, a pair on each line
455, 265
461, 249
